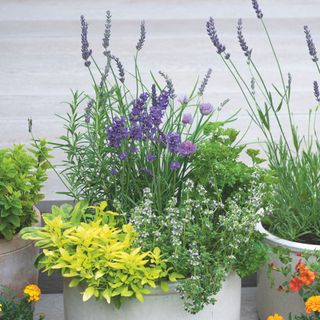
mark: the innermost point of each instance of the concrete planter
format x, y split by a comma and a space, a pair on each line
157, 306
17, 258
269, 300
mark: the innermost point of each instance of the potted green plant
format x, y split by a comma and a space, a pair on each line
22, 174
170, 168
292, 198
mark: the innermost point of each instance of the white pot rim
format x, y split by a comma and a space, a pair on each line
291, 245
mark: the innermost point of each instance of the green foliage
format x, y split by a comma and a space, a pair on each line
22, 175
98, 254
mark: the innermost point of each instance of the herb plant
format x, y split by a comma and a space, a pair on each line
294, 158
22, 175
169, 168
98, 254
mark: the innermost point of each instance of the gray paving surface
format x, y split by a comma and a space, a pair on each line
40, 54
52, 306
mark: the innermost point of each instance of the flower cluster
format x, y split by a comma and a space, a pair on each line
33, 292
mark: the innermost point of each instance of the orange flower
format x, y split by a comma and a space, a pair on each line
307, 276
299, 265
295, 284
313, 304
33, 291
275, 317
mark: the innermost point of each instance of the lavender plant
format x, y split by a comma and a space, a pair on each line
294, 158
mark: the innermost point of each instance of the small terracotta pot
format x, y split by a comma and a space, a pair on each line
17, 258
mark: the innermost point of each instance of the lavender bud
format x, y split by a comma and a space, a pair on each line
212, 32
257, 9
107, 34
310, 43
120, 68
242, 41
142, 36
204, 82
29, 125
87, 114
106, 69
154, 98
316, 90
85, 50
253, 85
169, 84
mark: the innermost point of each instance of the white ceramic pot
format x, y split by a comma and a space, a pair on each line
17, 258
157, 306
269, 300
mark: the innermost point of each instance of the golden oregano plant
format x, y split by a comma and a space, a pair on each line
90, 246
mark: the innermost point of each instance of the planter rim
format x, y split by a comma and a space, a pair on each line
17, 243
291, 245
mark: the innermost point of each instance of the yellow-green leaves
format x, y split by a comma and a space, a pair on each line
99, 257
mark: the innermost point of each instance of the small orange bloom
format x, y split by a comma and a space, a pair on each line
295, 284
307, 276
299, 265
275, 317
313, 304
33, 291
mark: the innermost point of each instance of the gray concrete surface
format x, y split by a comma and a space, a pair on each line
52, 306
40, 54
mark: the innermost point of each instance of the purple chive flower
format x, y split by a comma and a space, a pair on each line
206, 108
310, 43
88, 111
173, 140
85, 50
212, 32
187, 118
169, 84
107, 34
204, 82
316, 90
150, 157
117, 132
242, 41
187, 148
114, 172
175, 165
257, 9
142, 36
157, 110
123, 156
120, 68
183, 99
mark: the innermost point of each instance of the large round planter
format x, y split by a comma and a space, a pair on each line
17, 258
269, 300
157, 306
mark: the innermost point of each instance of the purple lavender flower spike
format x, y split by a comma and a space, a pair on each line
142, 36
204, 82
150, 157
114, 172
212, 32
206, 108
133, 149
316, 90
123, 156
120, 68
146, 171
157, 111
173, 141
242, 41
85, 50
88, 111
187, 148
169, 84
107, 34
139, 106
136, 132
117, 132
175, 165
257, 9
187, 118
310, 43
154, 97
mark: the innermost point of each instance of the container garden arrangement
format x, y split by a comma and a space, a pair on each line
171, 170
22, 174
292, 198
